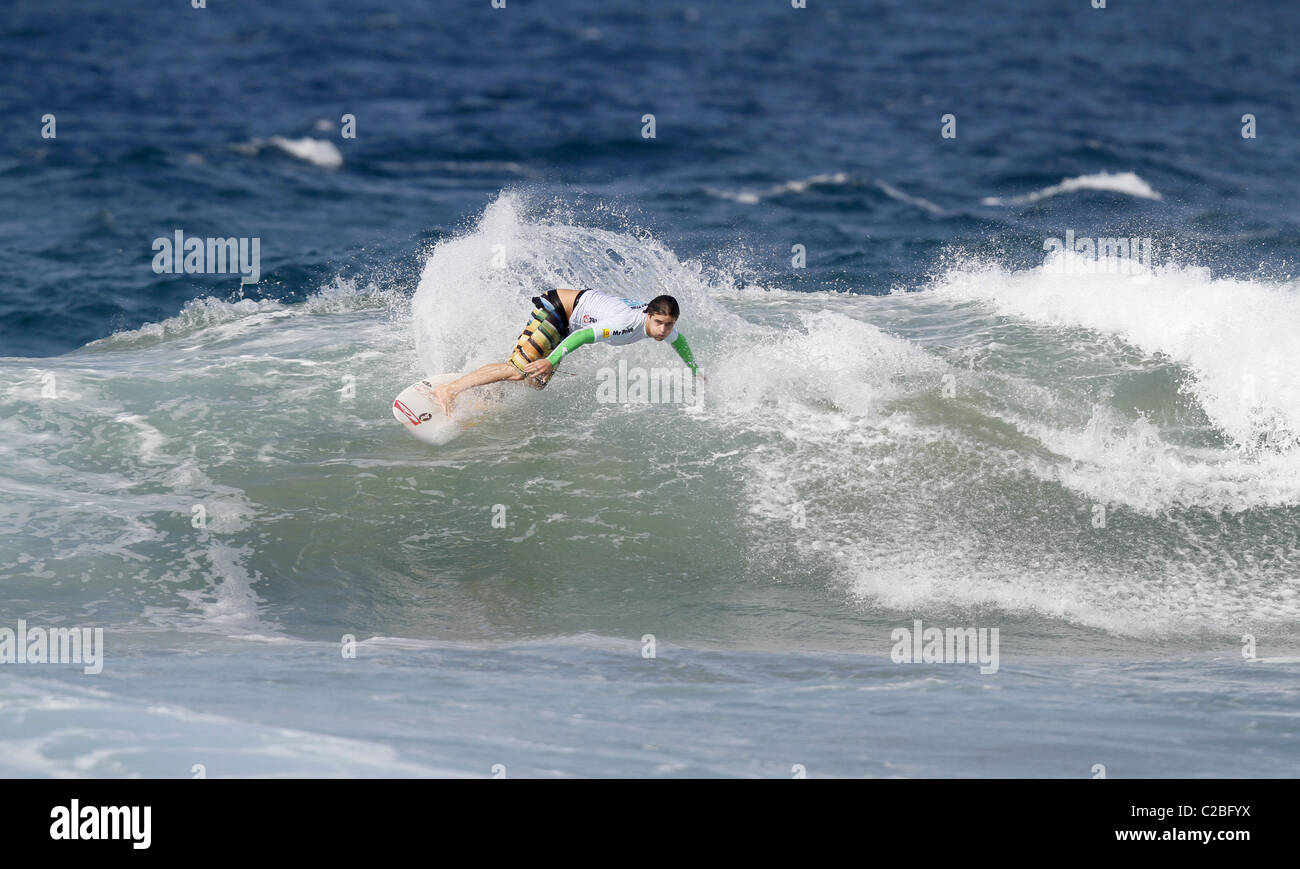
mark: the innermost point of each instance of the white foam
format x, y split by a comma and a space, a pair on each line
1127, 183
151, 440
318, 152
1153, 605
208, 313
799, 185
1235, 337
1115, 461
894, 193
835, 367
473, 296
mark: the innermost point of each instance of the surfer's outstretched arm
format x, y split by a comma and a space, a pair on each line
684, 350
573, 342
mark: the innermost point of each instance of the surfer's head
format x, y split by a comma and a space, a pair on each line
660, 317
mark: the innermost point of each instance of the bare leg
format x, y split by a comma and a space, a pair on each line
490, 373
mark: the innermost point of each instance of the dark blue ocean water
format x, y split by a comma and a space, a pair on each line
927, 422
156, 104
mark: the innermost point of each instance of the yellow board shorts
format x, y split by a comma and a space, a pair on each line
544, 332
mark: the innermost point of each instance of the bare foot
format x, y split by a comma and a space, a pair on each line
444, 398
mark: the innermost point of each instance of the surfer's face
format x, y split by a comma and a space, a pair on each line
657, 326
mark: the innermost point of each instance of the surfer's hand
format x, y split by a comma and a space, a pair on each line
541, 366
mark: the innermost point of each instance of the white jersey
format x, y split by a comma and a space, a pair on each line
614, 320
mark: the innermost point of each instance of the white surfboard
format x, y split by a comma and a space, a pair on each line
417, 409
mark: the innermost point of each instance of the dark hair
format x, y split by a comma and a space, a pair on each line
663, 305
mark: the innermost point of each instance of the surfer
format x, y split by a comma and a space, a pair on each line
563, 320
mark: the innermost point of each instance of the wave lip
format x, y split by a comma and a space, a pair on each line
1232, 336
1127, 183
